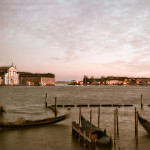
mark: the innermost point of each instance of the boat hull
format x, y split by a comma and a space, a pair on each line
102, 137
144, 123
30, 123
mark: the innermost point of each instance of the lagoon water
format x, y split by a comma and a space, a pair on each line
28, 102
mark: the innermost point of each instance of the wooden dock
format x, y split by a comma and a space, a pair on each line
85, 136
95, 105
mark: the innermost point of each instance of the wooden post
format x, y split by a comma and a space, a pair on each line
141, 101
45, 100
55, 106
114, 126
79, 116
135, 121
91, 122
136, 127
117, 122
2, 111
98, 117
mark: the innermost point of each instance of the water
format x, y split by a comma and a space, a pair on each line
28, 102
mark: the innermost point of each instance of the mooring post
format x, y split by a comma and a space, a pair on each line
79, 116
135, 121
117, 121
90, 123
2, 111
98, 117
114, 126
55, 106
141, 101
45, 100
136, 127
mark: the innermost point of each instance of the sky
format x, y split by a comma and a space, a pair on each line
73, 38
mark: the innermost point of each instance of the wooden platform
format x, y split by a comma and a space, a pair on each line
95, 105
84, 136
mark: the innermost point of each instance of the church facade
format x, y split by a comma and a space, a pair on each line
10, 76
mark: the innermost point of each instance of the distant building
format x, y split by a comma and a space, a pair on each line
1, 80
36, 79
111, 80
145, 81
75, 82
10, 76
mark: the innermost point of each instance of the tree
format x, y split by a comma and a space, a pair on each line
85, 79
92, 80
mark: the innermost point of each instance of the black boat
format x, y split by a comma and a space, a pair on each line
144, 123
102, 137
31, 123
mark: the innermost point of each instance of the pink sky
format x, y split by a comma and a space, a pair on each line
76, 37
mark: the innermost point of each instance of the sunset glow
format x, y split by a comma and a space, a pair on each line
73, 38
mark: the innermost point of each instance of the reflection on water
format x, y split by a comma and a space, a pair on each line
28, 102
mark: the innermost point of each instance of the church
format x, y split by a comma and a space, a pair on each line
10, 76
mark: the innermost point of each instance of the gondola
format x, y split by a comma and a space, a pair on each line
144, 123
31, 123
102, 138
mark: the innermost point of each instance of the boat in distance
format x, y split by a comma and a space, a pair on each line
32, 123
102, 138
145, 123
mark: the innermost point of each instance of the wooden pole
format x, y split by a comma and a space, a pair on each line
55, 106
141, 101
45, 100
79, 116
136, 127
2, 111
117, 122
135, 121
91, 122
98, 117
114, 126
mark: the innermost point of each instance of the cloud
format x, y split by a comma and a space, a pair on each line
111, 34
69, 56
55, 59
